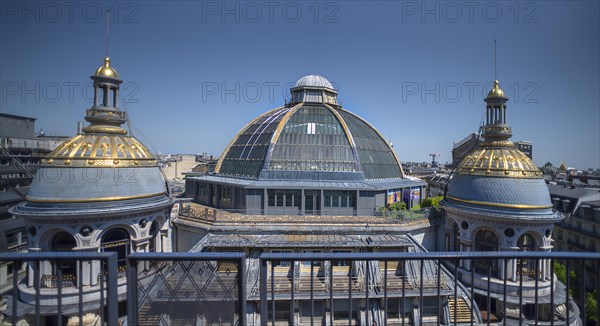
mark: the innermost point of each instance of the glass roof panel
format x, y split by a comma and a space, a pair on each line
376, 158
246, 155
313, 140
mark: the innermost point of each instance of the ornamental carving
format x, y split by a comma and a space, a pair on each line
102, 151
503, 162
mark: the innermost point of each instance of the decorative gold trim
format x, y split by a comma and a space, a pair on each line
105, 129
283, 122
100, 150
485, 203
101, 162
343, 123
499, 162
87, 200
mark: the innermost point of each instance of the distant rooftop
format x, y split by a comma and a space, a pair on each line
19, 117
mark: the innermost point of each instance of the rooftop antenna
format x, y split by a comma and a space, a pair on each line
107, 30
495, 69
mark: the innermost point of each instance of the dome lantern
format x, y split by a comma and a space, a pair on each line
496, 131
106, 117
313, 89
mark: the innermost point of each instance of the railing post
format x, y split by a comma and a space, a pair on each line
242, 290
37, 284
15, 280
112, 295
263, 292
132, 290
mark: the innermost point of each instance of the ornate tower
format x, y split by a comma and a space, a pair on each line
101, 190
497, 200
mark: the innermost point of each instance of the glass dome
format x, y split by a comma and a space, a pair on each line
309, 137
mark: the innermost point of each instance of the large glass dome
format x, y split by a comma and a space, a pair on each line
310, 138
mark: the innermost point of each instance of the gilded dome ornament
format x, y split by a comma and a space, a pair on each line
106, 70
496, 91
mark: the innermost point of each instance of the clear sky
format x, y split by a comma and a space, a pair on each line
196, 72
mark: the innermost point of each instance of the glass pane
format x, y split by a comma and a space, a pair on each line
376, 158
306, 143
246, 155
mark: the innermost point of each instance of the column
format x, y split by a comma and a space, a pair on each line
105, 96
302, 203
466, 246
321, 202
116, 98
95, 95
266, 201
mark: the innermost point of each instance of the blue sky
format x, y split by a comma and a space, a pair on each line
196, 72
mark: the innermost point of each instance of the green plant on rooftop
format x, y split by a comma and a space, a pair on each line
432, 202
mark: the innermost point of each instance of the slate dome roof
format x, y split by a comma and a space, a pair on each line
497, 176
102, 164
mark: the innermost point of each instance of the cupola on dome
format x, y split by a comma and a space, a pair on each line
106, 70
496, 91
314, 81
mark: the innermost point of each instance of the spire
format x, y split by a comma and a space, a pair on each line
107, 30
496, 131
104, 115
495, 69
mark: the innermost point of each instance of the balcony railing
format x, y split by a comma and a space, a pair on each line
14, 306
52, 281
193, 211
303, 288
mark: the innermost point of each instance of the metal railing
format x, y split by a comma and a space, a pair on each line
34, 261
207, 282
224, 215
370, 288
231, 288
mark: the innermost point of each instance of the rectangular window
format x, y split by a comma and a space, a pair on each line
341, 262
271, 196
282, 310
306, 263
279, 199
341, 310
306, 311
281, 263
344, 201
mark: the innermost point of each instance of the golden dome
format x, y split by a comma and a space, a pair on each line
106, 70
100, 150
499, 162
563, 166
496, 91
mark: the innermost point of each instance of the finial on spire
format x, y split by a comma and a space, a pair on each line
107, 30
495, 70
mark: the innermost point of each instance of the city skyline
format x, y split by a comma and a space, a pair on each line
418, 71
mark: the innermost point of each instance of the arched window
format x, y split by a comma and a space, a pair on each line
62, 242
117, 240
153, 234
526, 266
486, 240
